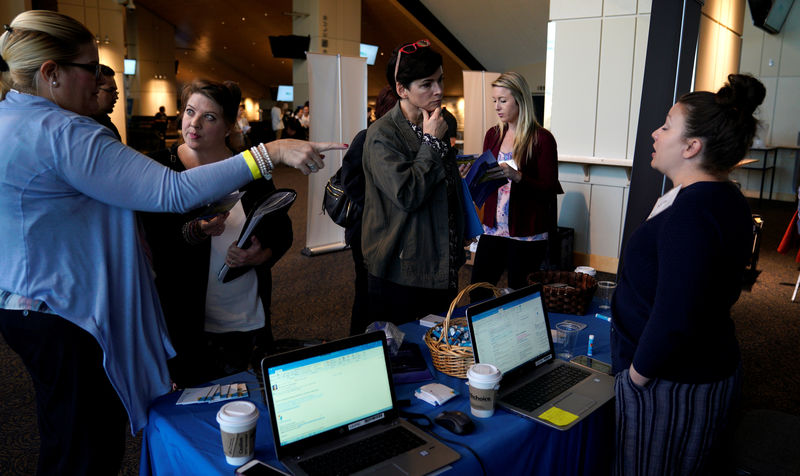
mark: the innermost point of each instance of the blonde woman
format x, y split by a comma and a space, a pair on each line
521, 215
77, 301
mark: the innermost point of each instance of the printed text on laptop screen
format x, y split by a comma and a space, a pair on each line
324, 392
510, 335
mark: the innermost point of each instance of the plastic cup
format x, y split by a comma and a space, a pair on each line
567, 335
484, 380
237, 425
605, 290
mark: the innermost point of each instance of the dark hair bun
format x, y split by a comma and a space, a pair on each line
742, 92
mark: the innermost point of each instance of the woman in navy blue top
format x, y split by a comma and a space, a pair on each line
674, 347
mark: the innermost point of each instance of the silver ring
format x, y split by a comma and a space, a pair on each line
312, 167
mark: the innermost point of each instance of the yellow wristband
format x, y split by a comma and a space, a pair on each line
251, 162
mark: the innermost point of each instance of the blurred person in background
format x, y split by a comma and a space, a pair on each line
107, 95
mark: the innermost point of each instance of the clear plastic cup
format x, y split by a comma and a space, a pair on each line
567, 336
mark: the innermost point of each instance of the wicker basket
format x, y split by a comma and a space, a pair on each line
453, 360
574, 298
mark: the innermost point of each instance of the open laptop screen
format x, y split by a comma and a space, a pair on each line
510, 333
317, 394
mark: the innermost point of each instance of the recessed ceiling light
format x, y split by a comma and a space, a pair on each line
223, 22
242, 18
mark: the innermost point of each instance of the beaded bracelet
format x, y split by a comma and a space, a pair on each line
263, 149
259, 159
264, 164
192, 233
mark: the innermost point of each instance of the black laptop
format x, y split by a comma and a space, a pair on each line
512, 332
333, 411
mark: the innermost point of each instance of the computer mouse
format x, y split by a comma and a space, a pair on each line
455, 421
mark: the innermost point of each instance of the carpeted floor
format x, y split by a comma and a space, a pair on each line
312, 299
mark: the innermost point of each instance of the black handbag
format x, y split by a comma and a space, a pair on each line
335, 202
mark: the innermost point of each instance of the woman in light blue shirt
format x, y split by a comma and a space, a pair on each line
77, 300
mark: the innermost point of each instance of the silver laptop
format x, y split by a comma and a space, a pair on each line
332, 405
512, 332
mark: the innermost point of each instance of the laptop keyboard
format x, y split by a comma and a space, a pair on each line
363, 453
537, 392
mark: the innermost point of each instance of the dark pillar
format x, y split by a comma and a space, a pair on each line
668, 73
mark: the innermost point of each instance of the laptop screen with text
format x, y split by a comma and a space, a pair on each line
511, 334
320, 393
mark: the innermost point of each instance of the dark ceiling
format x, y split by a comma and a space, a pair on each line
229, 40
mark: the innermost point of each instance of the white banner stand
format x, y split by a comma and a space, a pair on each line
338, 105
479, 113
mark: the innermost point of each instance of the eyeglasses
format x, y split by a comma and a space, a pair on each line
90, 67
408, 49
110, 91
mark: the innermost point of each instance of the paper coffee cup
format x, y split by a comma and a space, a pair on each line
484, 380
237, 425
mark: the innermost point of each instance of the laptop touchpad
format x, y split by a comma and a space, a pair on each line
575, 404
390, 469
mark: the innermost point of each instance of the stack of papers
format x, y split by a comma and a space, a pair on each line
214, 393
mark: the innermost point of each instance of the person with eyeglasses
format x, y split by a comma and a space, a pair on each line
413, 224
77, 300
107, 95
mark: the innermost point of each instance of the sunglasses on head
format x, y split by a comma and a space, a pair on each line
93, 68
408, 49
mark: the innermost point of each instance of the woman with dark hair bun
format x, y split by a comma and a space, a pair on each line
673, 342
413, 224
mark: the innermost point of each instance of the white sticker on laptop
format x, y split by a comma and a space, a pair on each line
365, 421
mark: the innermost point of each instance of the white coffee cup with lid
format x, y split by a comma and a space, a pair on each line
484, 381
237, 425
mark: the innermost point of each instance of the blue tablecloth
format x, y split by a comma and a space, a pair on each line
184, 439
